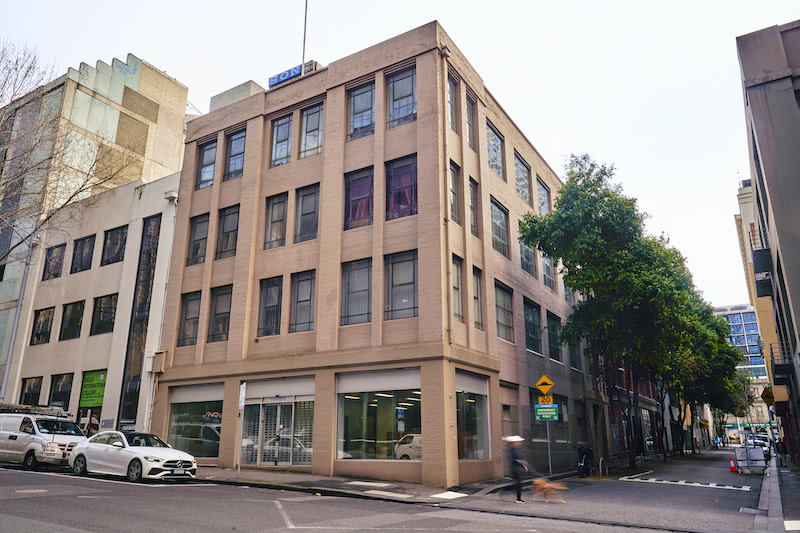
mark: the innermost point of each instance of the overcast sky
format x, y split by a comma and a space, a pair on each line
652, 88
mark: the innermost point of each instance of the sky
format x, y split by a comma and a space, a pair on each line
653, 89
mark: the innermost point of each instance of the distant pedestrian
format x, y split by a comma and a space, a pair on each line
782, 451
517, 465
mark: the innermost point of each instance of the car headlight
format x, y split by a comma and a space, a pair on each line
51, 447
153, 458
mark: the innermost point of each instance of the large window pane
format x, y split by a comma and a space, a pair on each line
376, 424
194, 427
356, 292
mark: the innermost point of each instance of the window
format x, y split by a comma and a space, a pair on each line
31, 388
105, 309
301, 315
356, 292
401, 188
234, 165
190, 314
114, 245
477, 308
371, 421
53, 262
455, 209
205, 171
494, 144
82, 251
522, 173
553, 332
42, 324
505, 312
220, 313
401, 285
198, 236
452, 99
275, 234
499, 228
269, 315
311, 123
527, 259
402, 93
60, 390
71, 321
543, 194
575, 357
307, 213
473, 207
227, 232
471, 122
548, 275
358, 199
458, 304
472, 411
281, 140
533, 326
362, 111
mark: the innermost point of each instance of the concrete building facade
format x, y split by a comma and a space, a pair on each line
90, 130
347, 282
90, 328
770, 67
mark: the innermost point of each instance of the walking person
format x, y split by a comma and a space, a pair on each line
517, 465
782, 450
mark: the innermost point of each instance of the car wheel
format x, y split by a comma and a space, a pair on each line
79, 466
30, 462
135, 470
404, 457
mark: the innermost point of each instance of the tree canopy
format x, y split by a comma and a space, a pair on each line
640, 308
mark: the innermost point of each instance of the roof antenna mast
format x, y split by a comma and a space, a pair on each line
305, 23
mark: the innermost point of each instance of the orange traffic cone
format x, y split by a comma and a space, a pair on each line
733, 466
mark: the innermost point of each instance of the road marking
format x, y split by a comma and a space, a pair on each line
637, 478
791, 525
449, 495
386, 493
368, 484
31, 491
285, 516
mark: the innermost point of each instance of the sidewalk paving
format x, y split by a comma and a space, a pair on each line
777, 502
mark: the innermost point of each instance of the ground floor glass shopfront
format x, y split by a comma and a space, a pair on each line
278, 422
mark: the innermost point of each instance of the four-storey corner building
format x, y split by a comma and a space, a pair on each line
346, 270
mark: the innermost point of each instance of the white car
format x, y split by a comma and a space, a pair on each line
133, 455
409, 447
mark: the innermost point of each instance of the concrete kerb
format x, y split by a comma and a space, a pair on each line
770, 501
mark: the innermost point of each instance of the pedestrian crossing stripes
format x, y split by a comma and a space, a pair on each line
638, 479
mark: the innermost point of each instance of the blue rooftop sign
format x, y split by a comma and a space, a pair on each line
286, 75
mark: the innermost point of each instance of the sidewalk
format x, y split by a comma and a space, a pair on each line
490, 495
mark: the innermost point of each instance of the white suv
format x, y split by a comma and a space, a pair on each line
32, 439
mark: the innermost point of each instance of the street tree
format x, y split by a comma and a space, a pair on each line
638, 296
45, 162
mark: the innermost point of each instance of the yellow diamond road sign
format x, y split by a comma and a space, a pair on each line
767, 396
544, 384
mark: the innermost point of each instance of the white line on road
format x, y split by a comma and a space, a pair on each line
637, 478
285, 516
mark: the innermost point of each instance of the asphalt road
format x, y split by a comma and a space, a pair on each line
694, 495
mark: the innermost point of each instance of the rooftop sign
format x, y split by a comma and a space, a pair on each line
286, 75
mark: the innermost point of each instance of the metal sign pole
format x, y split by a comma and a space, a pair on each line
549, 457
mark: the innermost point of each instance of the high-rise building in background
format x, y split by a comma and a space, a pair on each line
744, 334
64, 145
768, 224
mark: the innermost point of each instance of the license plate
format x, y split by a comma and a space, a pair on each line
177, 471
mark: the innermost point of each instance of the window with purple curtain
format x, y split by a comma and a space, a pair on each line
401, 188
358, 199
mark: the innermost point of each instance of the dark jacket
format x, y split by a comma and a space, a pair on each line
516, 463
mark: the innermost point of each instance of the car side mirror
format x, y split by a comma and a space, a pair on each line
117, 444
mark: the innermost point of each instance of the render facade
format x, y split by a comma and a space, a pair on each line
347, 293
86, 132
770, 67
90, 327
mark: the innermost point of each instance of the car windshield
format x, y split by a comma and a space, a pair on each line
145, 439
59, 427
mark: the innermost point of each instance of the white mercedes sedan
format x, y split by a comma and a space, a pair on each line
133, 455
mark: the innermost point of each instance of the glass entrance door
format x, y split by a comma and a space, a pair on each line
279, 442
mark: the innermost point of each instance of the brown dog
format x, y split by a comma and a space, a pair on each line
547, 488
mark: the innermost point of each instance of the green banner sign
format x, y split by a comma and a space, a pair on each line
546, 412
94, 385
